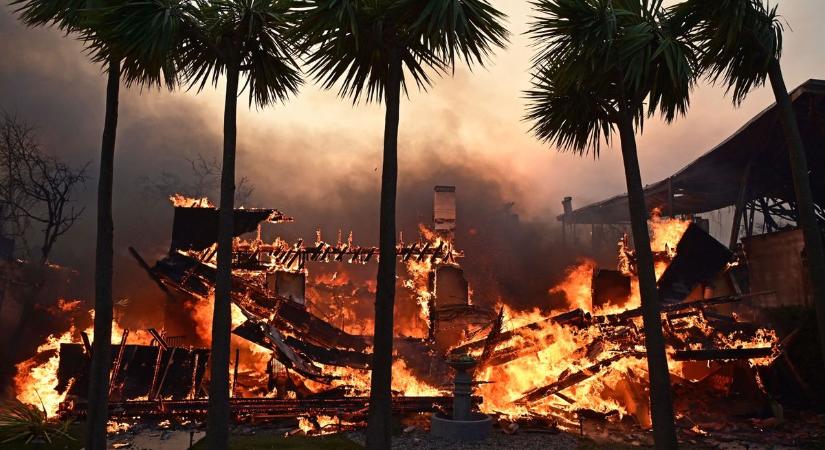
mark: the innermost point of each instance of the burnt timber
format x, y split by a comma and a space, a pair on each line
251, 407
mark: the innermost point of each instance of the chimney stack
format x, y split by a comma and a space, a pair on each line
444, 211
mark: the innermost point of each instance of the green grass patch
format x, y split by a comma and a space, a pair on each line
273, 442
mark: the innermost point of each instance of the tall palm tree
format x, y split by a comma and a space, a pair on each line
235, 38
373, 48
604, 66
741, 45
131, 40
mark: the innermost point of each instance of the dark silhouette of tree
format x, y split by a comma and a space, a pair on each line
235, 38
203, 179
36, 187
603, 66
36, 190
741, 45
133, 41
366, 45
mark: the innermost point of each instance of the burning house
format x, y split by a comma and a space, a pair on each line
293, 359
302, 345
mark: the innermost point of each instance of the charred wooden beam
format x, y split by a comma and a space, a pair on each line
165, 372
624, 316
711, 354
235, 372
135, 375
492, 338
289, 316
87, 344
145, 266
118, 361
574, 378
160, 340
259, 406
574, 317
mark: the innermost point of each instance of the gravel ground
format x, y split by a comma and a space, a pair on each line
498, 440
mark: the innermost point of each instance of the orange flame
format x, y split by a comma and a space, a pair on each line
182, 201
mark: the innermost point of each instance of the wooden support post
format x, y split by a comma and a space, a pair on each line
193, 391
235, 374
165, 372
87, 344
118, 361
155, 373
740, 205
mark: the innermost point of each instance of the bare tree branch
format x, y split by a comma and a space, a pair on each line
203, 180
36, 187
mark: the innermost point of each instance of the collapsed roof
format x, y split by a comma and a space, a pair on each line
196, 228
713, 180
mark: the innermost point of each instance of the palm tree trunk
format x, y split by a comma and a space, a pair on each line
661, 404
380, 409
98, 411
218, 422
804, 198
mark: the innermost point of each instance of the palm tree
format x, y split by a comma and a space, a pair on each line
110, 32
604, 66
235, 37
366, 45
741, 45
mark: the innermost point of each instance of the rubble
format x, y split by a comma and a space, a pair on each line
537, 372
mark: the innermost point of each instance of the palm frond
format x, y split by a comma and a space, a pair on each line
571, 116
351, 43
20, 422
597, 60
738, 41
142, 34
146, 35
466, 29
573, 29
250, 34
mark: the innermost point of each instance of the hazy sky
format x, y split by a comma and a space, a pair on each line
320, 152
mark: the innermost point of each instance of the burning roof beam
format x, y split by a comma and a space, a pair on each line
574, 378
575, 317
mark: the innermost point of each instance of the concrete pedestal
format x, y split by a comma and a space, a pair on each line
476, 428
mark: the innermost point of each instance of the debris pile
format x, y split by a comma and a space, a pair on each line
536, 369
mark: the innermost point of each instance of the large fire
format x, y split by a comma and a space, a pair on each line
613, 372
36, 377
562, 350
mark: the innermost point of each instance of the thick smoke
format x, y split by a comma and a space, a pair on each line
50, 84
319, 161
328, 180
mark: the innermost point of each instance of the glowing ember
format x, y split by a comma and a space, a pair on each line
319, 424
